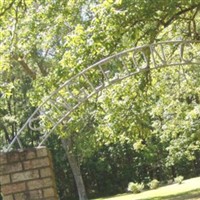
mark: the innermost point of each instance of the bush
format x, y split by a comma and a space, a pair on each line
153, 184
179, 179
135, 187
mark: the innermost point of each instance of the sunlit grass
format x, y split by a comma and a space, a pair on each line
191, 195
188, 190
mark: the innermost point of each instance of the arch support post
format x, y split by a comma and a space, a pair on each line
27, 175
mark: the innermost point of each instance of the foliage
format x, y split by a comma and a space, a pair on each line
188, 191
135, 187
145, 127
179, 179
154, 184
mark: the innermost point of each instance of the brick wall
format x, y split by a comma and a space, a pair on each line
27, 175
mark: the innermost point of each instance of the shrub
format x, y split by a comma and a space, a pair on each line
153, 184
135, 187
179, 179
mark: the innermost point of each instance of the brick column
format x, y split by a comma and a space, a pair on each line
27, 175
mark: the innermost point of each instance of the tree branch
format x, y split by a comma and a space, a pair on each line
25, 66
42, 70
41, 64
7, 137
174, 17
8, 8
27, 69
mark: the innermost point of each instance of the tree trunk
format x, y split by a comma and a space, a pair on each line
173, 170
67, 145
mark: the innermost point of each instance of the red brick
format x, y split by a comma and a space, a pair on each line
49, 192
36, 194
13, 188
27, 154
13, 157
46, 172
36, 163
40, 183
2, 169
4, 179
3, 158
42, 152
8, 197
30, 155
26, 175
20, 196
7, 169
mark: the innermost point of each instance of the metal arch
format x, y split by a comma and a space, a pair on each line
75, 91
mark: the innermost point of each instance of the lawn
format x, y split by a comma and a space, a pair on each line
188, 190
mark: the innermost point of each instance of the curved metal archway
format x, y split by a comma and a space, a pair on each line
75, 91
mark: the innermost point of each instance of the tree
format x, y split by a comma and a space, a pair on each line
33, 43
142, 23
44, 43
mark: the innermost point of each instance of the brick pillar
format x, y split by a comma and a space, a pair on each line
27, 175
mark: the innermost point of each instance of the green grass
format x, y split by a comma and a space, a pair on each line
188, 190
191, 195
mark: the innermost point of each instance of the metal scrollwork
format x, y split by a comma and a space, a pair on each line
190, 54
32, 126
58, 107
